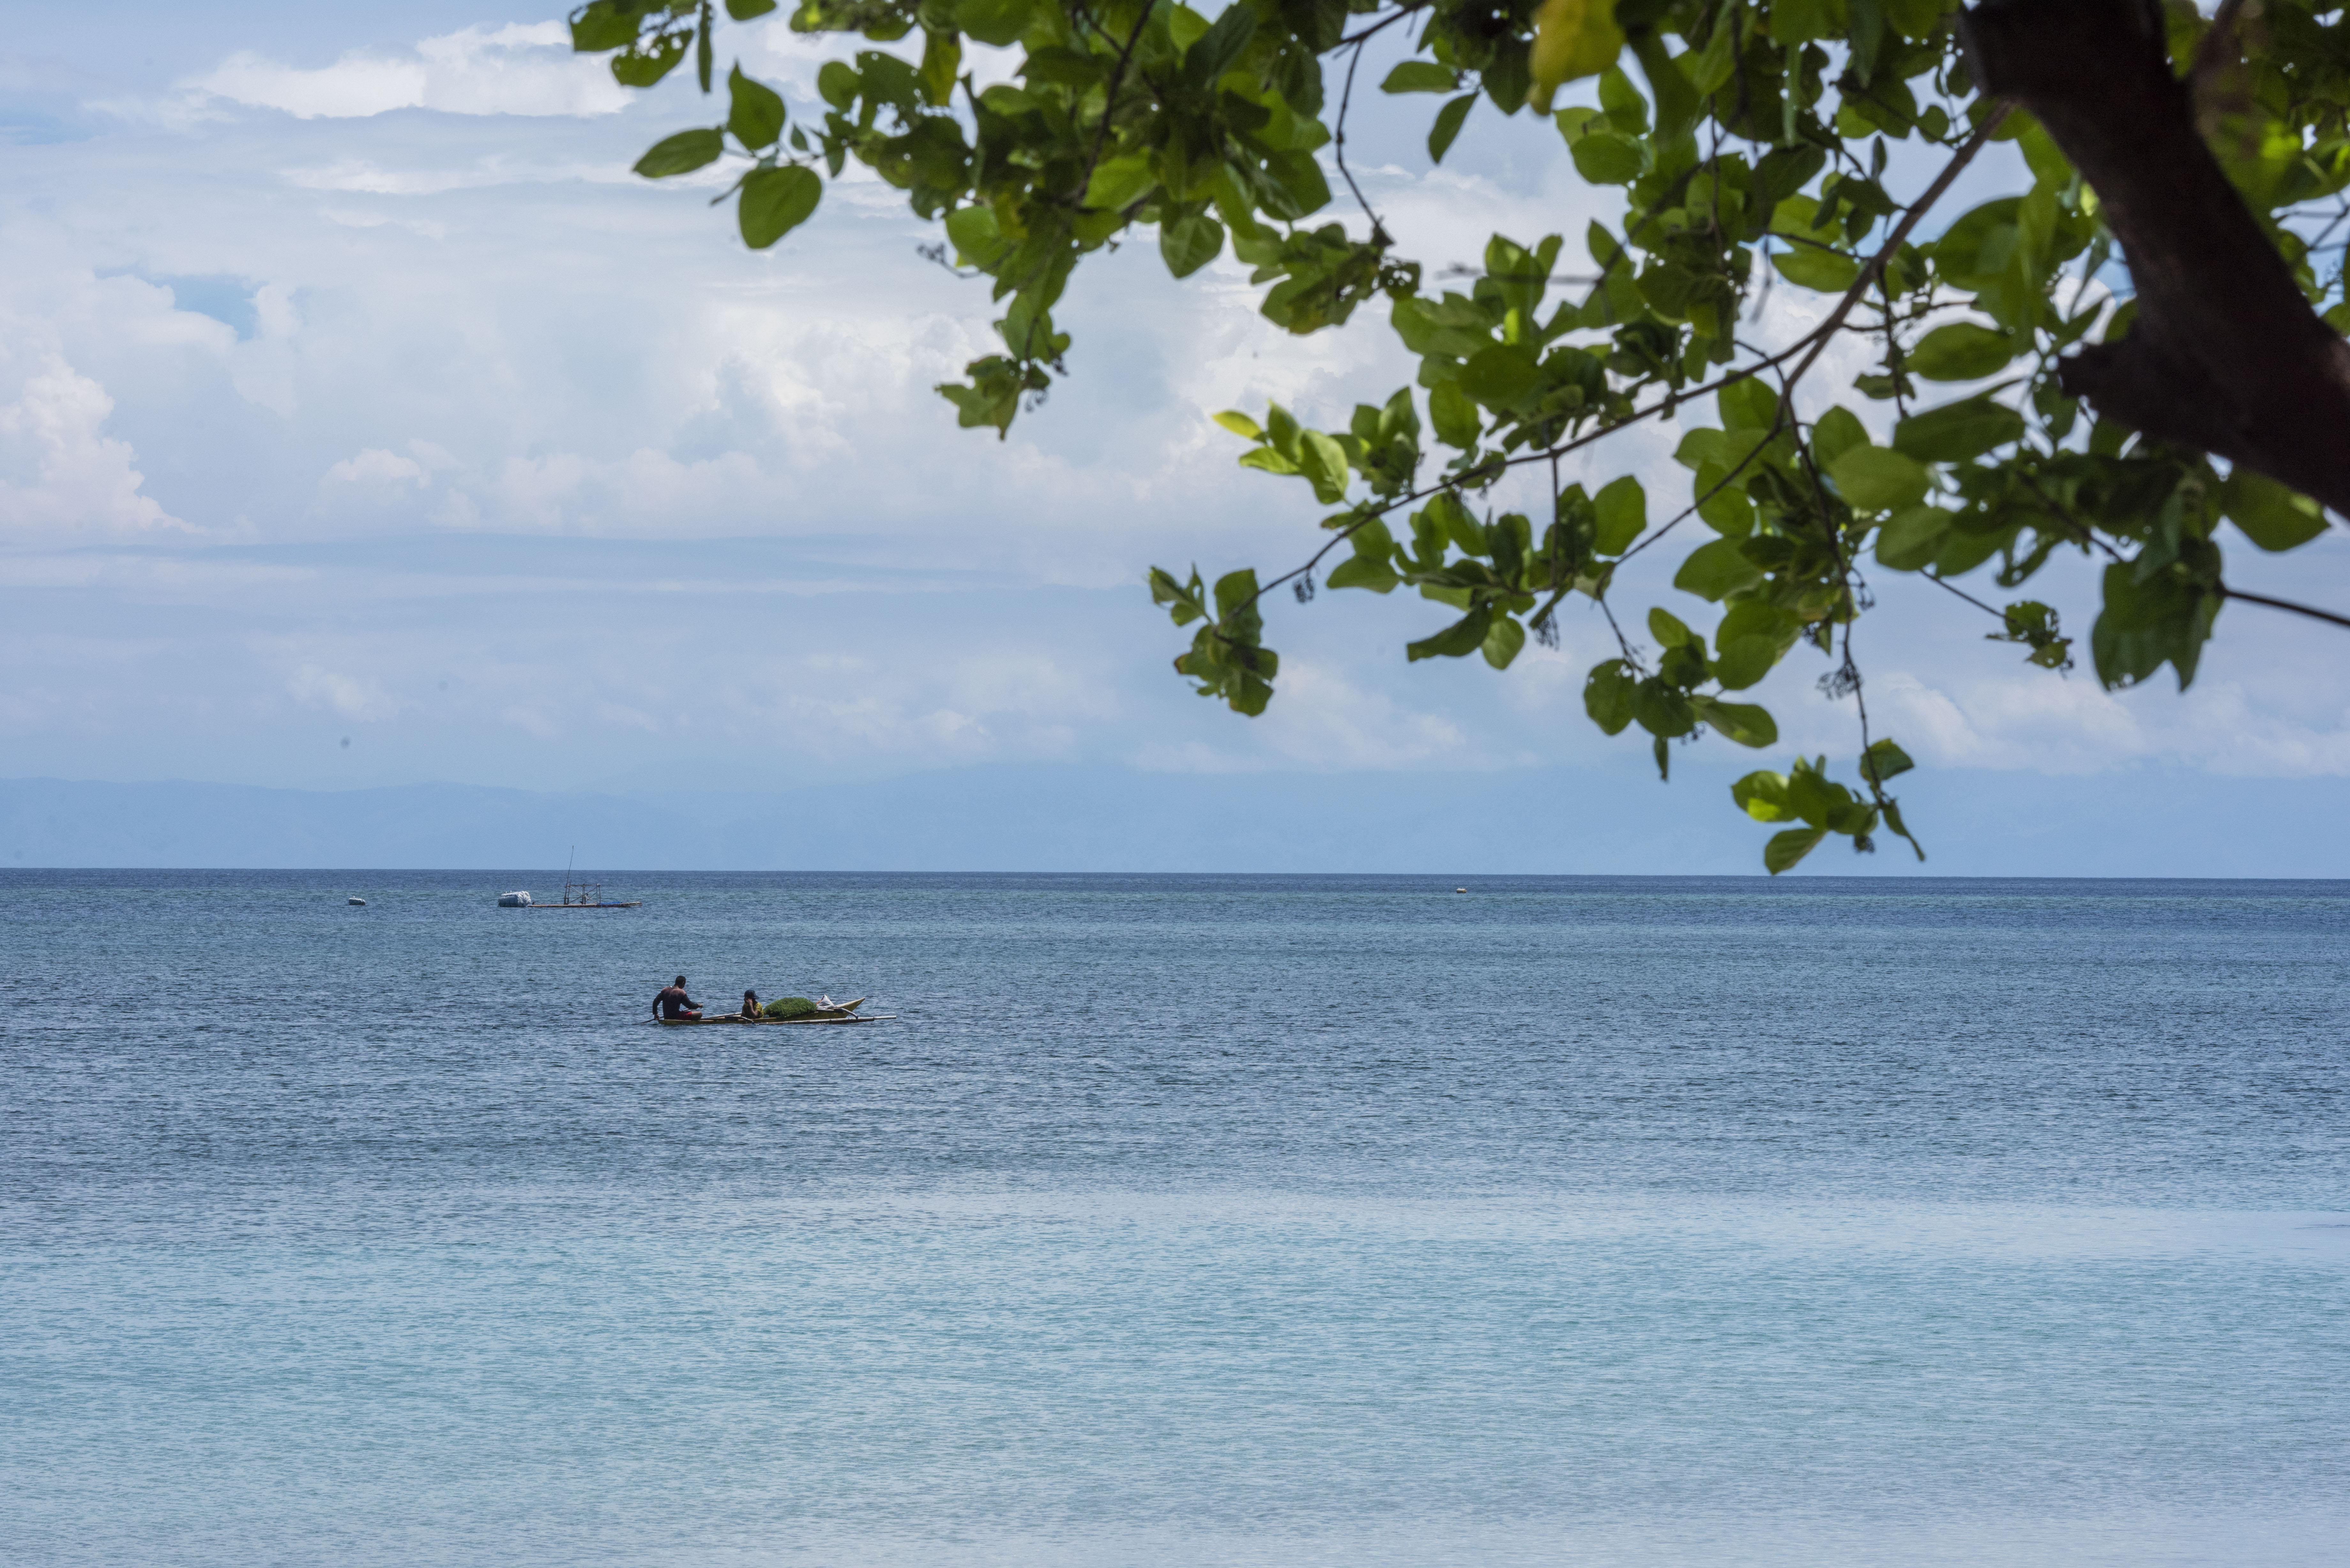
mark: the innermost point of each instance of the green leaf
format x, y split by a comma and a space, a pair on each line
1747, 405
754, 111
1837, 432
1503, 639
1189, 243
775, 202
2166, 617
745, 10
1786, 848
1668, 629
1607, 695
1878, 479
1743, 723
1750, 640
1677, 101
1119, 183
1961, 351
1269, 460
1801, 21
1185, 598
1448, 124
1461, 638
996, 21
941, 62
1912, 537
1363, 572
836, 83
1299, 179
1455, 414
1763, 797
1958, 432
1611, 158
1714, 569
1498, 375
2272, 516
1324, 464
1621, 102
1662, 710
682, 154
1883, 760
1220, 47
1743, 660
603, 25
1828, 272
1622, 509
1421, 75
1240, 424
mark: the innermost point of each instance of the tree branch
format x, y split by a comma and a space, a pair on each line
2314, 614
2225, 356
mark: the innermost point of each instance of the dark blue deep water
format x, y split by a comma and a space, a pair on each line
1250, 1221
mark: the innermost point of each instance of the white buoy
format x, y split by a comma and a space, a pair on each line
514, 900
1460, 889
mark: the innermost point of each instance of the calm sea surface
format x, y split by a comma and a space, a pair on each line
1248, 1221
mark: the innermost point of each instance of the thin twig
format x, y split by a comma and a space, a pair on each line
1376, 29
2313, 613
1892, 243
1345, 99
1109, 99
1686, 513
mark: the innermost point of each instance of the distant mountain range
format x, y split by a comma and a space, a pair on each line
1091, 818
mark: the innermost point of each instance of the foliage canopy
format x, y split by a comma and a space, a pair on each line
1751, 139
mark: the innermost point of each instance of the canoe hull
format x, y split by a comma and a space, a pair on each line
735, 1019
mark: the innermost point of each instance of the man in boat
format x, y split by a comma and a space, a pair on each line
672, 1002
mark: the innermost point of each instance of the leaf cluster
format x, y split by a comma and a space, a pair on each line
1751, 140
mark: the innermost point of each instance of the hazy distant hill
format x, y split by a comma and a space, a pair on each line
1108, 819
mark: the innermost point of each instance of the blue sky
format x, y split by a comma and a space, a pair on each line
351, 391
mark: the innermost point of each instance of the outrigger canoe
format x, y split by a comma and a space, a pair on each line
738, 1018
845, 1014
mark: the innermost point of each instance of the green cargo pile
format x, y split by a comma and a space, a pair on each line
789, 1007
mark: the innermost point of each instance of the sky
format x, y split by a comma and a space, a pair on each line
364, 422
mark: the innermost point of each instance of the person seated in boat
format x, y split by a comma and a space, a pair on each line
750, 1005
672, 1002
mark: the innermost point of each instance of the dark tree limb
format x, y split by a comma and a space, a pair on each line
2225, 355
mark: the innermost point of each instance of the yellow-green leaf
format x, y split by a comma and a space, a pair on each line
1573, 39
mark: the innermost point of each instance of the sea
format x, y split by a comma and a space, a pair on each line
1250, 1220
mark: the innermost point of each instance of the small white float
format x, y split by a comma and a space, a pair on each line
514, 900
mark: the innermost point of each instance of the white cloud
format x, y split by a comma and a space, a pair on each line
2073, 726
1322, 721
492, 328
60, 473
512, 69
377, 466
353, 697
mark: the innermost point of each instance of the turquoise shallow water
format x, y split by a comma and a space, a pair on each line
1178, 1220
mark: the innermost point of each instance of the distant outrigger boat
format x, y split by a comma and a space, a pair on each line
576, 896
586, 896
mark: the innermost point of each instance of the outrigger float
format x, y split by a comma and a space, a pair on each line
846, 1013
